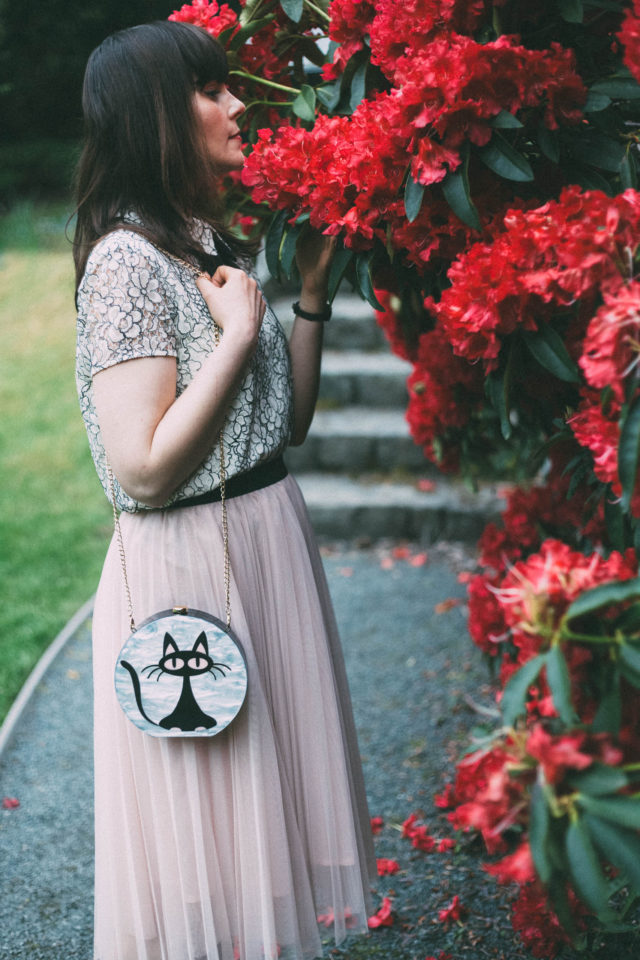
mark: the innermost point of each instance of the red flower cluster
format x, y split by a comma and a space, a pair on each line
214, 17
538, 925
443, 393
564, 252
630, 37
349, 22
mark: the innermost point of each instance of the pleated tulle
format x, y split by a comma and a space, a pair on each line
230, 847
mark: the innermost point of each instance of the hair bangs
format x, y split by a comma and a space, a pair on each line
203, 55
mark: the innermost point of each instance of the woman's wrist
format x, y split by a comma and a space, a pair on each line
313, 300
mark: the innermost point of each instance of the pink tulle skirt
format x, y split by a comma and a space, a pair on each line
230, 847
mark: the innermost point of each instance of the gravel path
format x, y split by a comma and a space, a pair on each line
412, 670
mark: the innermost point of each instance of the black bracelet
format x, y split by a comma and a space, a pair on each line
307, 315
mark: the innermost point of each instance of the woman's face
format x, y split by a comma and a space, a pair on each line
217, 111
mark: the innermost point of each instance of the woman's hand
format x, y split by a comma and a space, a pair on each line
314, 253
235, 303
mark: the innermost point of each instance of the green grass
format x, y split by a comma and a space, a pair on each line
54, 519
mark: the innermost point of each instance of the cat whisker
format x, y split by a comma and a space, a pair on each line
219, 667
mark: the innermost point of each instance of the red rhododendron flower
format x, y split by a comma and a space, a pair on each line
576, 751
564, 251
612, 342
445, 800
348, 25
446, 844
409, 825
490, 799
516, 867
377, 823
422, 840
213, 17
486, 622
454, 913
387, 866
384, 916
630, 38
537, 591
537, 924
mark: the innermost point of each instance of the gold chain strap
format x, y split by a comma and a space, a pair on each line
223, 497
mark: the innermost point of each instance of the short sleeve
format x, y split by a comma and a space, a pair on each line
126, 303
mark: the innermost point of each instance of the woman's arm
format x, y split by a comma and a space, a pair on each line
313, 255
155, 440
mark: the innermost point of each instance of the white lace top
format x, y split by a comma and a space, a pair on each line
135, 301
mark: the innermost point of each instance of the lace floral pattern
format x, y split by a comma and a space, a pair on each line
135, 301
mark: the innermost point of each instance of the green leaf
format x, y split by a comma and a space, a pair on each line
628, 452
413, 194
273, 242
571, 10
629, 620
358, 86
496, 386
603, 596
599, 780
562, 906
598, 150
329, 95
628, 172
515, 691
618, 89
304, 105
288, 248
560, 684
365, 283
619, 846
504, 160
505, 121
341, 260
587, 178
624, 811
588, 877
609, 713
539, 824
293, 9
630, 656
548, 143
548, 348
631, 676
457, 192
596, 102
241, 37
614, 522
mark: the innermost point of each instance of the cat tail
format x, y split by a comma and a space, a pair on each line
137, 691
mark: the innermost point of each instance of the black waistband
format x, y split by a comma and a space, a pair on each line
261, 476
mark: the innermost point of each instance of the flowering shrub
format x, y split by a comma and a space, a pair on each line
477, 160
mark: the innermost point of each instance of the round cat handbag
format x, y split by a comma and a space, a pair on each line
181, 673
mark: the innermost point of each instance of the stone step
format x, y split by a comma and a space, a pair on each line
358, 439
352, 377
352, 325
345, 509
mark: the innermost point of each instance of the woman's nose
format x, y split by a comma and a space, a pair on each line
236, 107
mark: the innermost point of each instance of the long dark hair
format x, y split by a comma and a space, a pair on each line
143, 151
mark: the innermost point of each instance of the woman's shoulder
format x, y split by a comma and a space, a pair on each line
126, 247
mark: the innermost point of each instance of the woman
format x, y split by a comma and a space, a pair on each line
228, 847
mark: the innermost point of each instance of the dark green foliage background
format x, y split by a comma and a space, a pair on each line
44, 46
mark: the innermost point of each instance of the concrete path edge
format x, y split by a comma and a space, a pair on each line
39, 671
